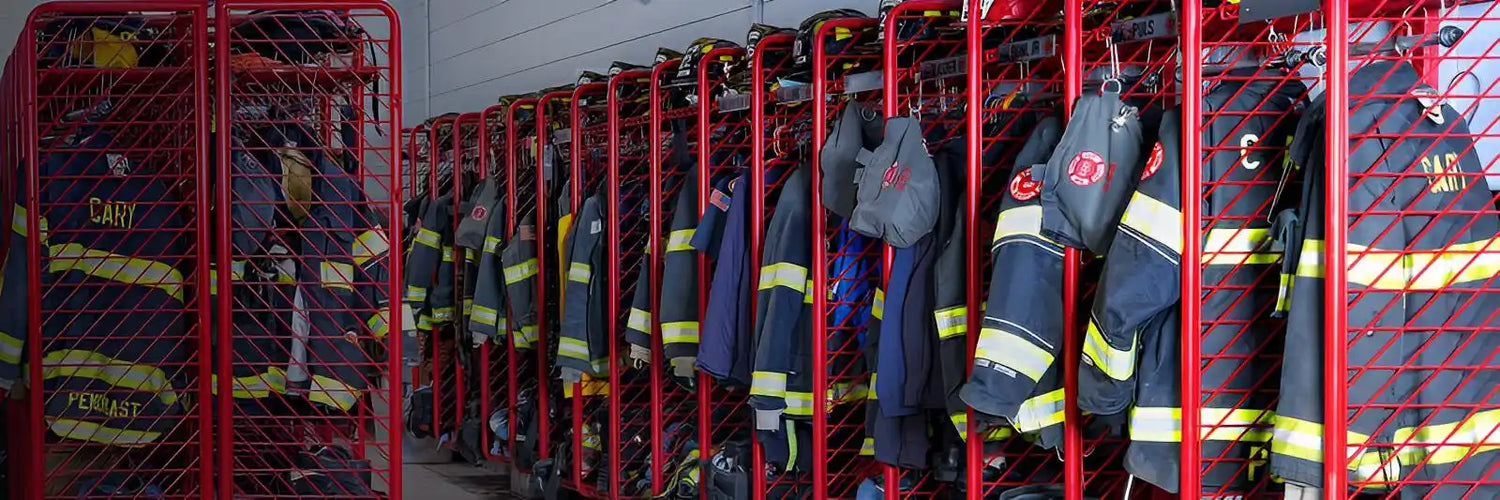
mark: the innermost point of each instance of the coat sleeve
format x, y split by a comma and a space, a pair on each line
519, 259
780, 294
488, 317
679, 287
423, 258
952, 317
573, 350
638, 322
13, 290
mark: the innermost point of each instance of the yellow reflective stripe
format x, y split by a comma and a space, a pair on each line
679, 332
468, 307
1097, 351
952, 322
236, 272
874, 395
428, 238
867, 447
791, 442
525, 337
1310, 263
370, 245
639, 320
1013, 352
1164, 425
485, 315
580, 272
1019, 221
258, 386
514, 274
379, 324
1415, 270
845, 392
1451, 442
442, 314
1237, 246
447, 253
1284, 293
491, 244
416, 294
68, 363
79, 430
1040, 412
11, 349
332, 392
19, 221
798, 404
1155, 221
877, 308
767, 384
960, 422
573, 348
424, 321
784, 274
680, 241
336, 275
105, 265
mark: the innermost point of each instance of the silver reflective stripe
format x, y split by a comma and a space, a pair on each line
1014, 352
491, 243
580, 272
1019, 221
639, 320
1097, 351
1155, 220
783, 274
1041, 411
680, 240
514, 274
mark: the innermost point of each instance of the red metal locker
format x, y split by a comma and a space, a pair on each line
554, 125
590, 173
522, 178
494, 357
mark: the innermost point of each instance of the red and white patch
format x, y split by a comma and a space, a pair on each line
479, 212
1023, 187
1086, 168
1153, 163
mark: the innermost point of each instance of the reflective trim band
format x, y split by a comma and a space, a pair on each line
784, 274
11, 349
1284, 294
491, 244
1097, 351
336, 275
768, 384
104, 265
580, 272
19, 222
416, 294
1449, 443
1155, 221
236, 270
1240, 246
791, 442
370, 245
448, 253
1002, 433
1019, 221
68, 428
877, 308
514, 274
1014, 352
874, 395
379, 324
639, 320
952, 322
1310, 264
1164, 425
1417, 270
484, 315
808, 296
573, 348
442, 314
257, 386
468, 307
428, 238
960, 422
424, 321
679, 332
680, 240
329, 391
1040, 412
70, 363
867, 447
798, 404
525, 337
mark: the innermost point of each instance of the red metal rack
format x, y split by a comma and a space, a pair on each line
848, 265
773, 140
439, 340
494, 367
723, 150
523, 171
922, 52
553, 125
674, 405
628, 232
1013, 49
466, 166
327, 105
590, 406
86, 113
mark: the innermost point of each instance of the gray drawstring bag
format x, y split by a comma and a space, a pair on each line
470, 233
898, 188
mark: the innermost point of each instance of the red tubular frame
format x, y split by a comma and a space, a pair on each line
544, 313
513, 201
1192, 232
460, 323
706, 123
435, 159
1072, 354
581, 132
1335, 294
657, 260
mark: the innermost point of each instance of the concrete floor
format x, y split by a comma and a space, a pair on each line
454, 482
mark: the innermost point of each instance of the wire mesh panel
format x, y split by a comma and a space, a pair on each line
674, 138
307, 209
493, 356
923, 51
110, 252
1015, 76
781, 134
1395, 259
554, 127
522, 270
723, 155
433, 315
466, 400
845, 269
590, 395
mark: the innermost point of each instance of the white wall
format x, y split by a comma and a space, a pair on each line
478, 50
